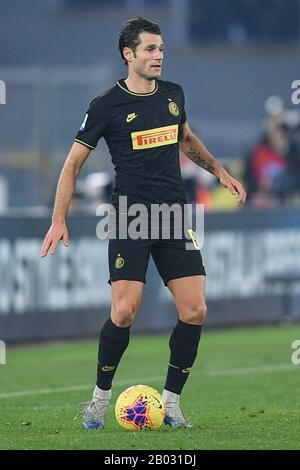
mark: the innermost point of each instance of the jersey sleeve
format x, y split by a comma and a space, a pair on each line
183, 113
94, 124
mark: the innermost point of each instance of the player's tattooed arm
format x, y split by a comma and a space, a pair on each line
196, 151
196, 157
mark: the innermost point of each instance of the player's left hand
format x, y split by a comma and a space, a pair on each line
234, 186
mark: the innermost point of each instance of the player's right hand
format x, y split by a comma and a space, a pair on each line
57, 231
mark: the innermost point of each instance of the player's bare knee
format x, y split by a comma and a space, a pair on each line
195, 314
123, 314
203, 312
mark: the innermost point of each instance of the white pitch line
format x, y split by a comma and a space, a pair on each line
74, 388
210, 373
250, 370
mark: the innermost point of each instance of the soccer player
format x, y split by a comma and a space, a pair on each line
143, 121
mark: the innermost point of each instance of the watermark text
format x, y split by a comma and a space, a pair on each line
295, 357
2, 92
296, 94
159, 221
2, 352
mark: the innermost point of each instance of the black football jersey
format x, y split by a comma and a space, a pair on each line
141, 131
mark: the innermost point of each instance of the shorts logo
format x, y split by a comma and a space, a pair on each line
154, 137
131, 116
194, 239
173, 108
119, 263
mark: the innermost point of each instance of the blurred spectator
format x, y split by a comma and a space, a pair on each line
273, 166
97, 187
291, 128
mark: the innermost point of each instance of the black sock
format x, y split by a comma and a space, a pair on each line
112, 344
183, 344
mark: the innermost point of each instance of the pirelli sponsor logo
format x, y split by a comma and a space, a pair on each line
155, 137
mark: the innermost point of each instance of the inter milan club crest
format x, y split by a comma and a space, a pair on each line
173, 108
119, 262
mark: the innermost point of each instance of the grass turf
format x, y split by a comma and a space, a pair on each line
243, 393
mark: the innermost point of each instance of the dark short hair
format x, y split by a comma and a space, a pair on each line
129, 34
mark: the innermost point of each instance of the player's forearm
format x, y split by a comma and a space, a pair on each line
64, 192
196, 151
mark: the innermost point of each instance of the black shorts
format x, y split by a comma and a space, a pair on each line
128, 259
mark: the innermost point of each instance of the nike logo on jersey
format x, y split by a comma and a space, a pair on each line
131, 116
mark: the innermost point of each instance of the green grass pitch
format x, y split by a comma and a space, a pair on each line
243, 393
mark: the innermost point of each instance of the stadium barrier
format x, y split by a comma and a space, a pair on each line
68, 296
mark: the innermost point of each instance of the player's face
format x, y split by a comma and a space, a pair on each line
148, 57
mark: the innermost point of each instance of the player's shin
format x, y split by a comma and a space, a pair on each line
183, 344
112, 345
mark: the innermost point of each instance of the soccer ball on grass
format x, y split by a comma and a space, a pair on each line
140, 408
